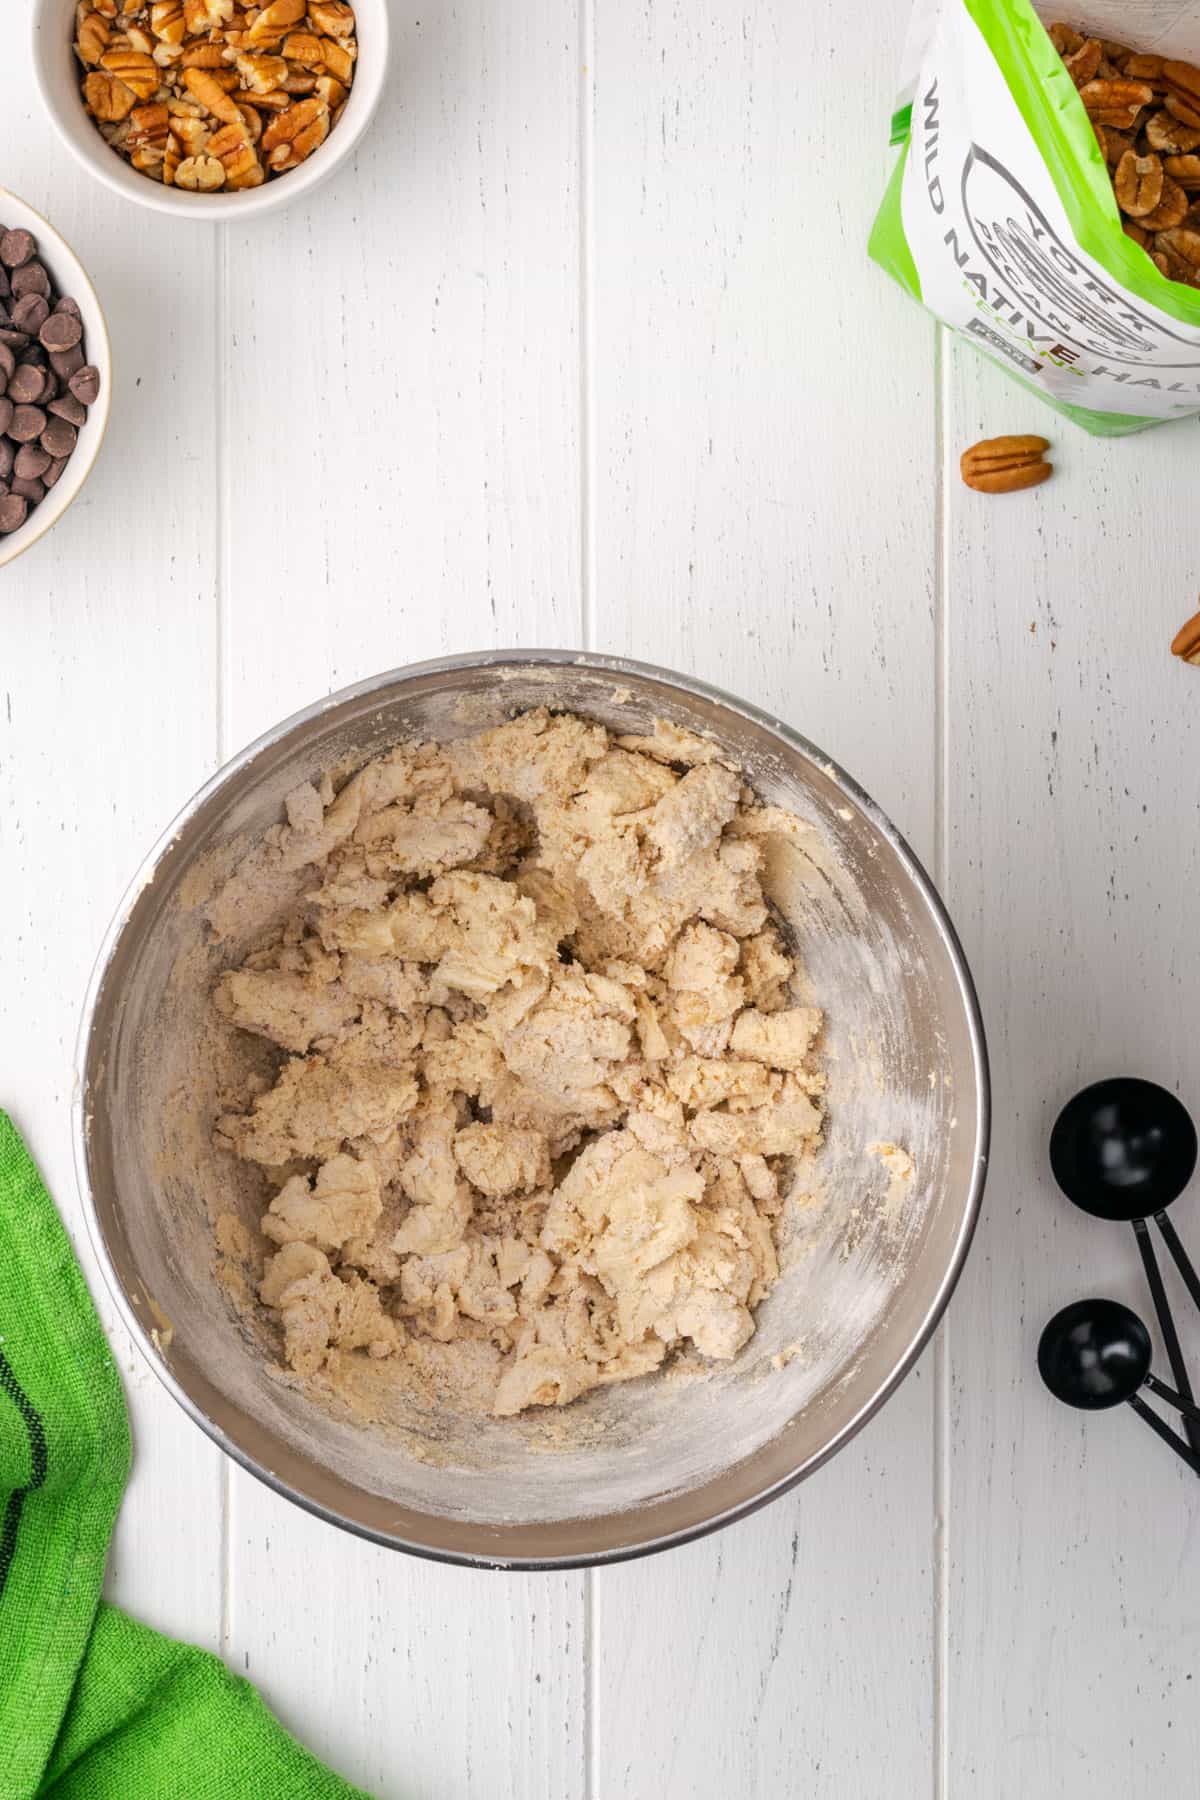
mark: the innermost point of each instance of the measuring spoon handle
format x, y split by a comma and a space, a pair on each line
1183, 1261
1166, 1322
1164, 1431
1188, 1408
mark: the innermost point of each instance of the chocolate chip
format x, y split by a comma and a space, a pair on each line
13, 512
26, 384
66, 362
31, 312
58, 438
46, 381
32, 460
85, 383
31, 279
16, 247
61, 331
27, 423
68, 408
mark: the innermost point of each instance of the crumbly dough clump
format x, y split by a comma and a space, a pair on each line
542, 1083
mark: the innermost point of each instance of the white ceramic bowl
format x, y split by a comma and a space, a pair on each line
69, 277
59, 78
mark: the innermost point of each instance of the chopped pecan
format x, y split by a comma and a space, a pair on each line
1005, 464
268, 29
253, 122
332, 18
202, 174
204, 87
293, 135
203, 55
206, 15
261, 73
333, 92
239, 158
91, 37
221, 71
303, 47
337, 58
107, 98
167, 21
135, 68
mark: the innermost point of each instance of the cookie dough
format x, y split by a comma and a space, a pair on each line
540, 1084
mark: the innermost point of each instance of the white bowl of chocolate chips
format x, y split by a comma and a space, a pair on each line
55, 367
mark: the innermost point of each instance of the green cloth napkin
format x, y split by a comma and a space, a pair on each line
94, 1706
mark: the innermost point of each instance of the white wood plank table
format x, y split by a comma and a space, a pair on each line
585, 350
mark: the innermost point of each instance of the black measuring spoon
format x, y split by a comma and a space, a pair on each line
1124, 1149
1095, 1354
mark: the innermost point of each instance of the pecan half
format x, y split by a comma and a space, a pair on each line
1182, 83
1170, 210
1113, 143
1145, 68
1183, 243
1005, 464
1116, 102
1186, 642
1066, 39
1138, 184
1185, 170
1083, 64
1170, 136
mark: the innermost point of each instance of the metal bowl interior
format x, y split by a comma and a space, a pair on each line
635, 1467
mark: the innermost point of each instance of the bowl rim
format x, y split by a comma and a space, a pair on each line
100, 160
72, 483
616, 666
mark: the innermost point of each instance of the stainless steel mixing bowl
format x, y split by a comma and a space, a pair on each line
870, 1263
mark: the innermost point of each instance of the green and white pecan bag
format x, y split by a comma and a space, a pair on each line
1000, 215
